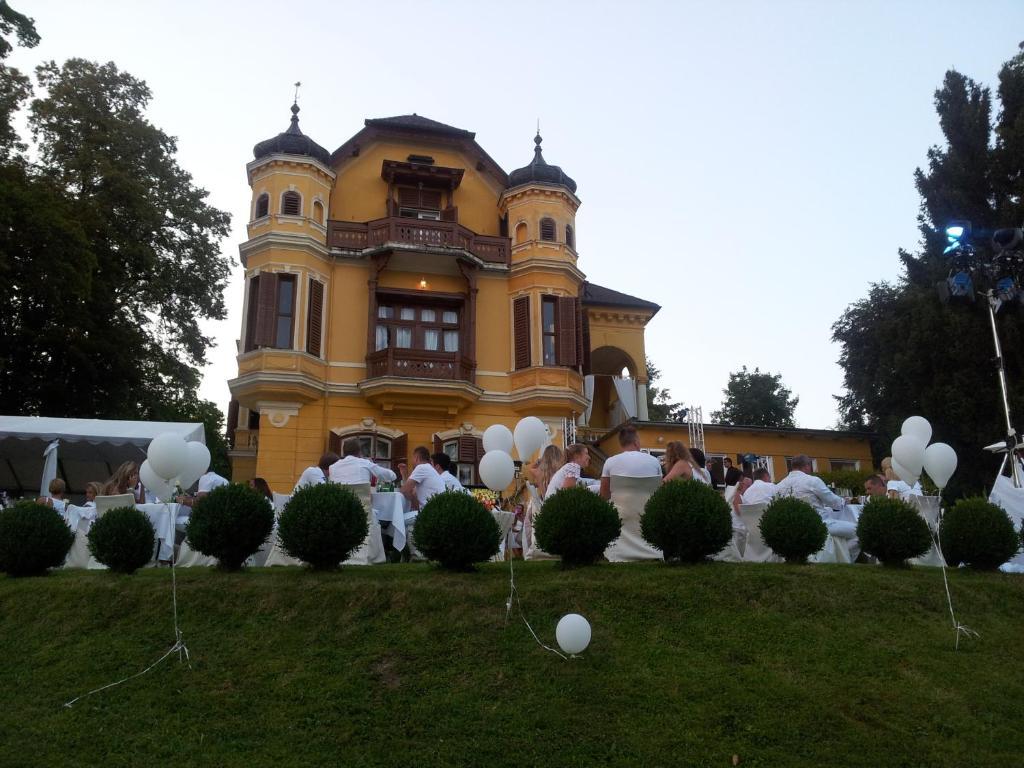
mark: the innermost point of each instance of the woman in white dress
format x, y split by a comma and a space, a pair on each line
679, 462
568, 475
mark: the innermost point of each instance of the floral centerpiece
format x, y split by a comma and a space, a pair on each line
486, 497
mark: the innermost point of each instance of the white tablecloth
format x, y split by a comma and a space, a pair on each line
393, 508
163, 518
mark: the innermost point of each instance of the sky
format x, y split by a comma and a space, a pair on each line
746, 165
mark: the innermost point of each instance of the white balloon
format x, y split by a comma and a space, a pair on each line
167, 454
529, 435
497, 470
909, 452
573, 633
498, 437
903, 473
197, 461
160, 487
939, 463
918, 426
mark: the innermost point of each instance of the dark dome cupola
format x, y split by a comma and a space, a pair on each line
539, 172
292, 142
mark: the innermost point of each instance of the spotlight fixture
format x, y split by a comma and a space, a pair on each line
957, 233
1007, 239
1006, 289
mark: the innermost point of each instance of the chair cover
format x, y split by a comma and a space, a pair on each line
1012, 501
372, 549
78, 555
530, 549
190, 558
276, 554
103, 503
629, 495
836, 550
280, 499
505, 521
755, 550
928, 507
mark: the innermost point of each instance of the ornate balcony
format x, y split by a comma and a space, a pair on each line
376, 234
419, 364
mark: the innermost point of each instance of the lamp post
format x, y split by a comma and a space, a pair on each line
1001, 273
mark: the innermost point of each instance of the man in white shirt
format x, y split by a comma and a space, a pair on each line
631, 462
209, 482
801, 484
422, 482
442, 464
318, 474
761, 490
353, 469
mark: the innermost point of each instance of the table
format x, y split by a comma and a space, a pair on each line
163, 517
393, 507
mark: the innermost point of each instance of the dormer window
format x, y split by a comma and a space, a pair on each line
547, 229
291, 204
262, 206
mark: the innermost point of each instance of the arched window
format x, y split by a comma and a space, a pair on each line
521, 232
570, 236
318, 212
291, 204
547, 229
262, 206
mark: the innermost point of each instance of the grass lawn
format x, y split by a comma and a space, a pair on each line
405, 665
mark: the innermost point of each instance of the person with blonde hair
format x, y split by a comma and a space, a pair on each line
92, 490
550, 461
125, 480
568, 475
58, 488
679, 462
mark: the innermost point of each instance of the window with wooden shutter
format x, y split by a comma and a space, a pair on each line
438, 445
547, 229
262, 206
584, 340
315, 319
521, 331
549, 330
232, 423
291, 204
400, 450
266, 299
567, 331
467, 449
570, 237
479, 455
251, 314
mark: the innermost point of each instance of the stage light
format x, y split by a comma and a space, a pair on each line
957, 232
1007, 239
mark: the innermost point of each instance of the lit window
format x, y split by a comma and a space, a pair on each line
451, 341
407, 313
428, 315
449, 317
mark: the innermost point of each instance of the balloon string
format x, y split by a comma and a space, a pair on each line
958, 628
179, 642
513, 594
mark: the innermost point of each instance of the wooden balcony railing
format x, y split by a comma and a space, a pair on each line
359, 236
419, 364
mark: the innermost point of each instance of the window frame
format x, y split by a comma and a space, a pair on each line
291, 193
291, 278
417, 326
263, 197
546, 302
570, 236
546, 222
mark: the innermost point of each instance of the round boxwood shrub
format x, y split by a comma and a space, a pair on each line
33, 539
456, 530
577, 525
122, 539
893, 531
230, 524
792, 528
687, 520
322, 525
978, 533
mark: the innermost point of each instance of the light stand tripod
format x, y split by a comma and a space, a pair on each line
1012, 444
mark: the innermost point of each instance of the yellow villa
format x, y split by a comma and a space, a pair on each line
406, 290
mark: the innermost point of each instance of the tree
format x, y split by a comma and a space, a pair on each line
659, 400
905, 353
755, 399
109, 258
14, 86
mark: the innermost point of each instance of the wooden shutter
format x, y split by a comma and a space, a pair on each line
251, 313
265, 307
430, 198
479, 455
399, 451
438, 445
566, 319
408, 197
547, 229
334, 443
314, 327
262, 206
451, 213
585, 340
467, 449
232, 424
521, 331
291, 204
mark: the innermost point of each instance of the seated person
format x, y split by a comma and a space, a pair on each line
263, 487
442, 464
739, 497
895, 487
318, 474
874, 488
92, 490
678, 462
801, 484
422, 482
701, 473
353, 469
631, 462
577, 457
543, 469
58, 489
126, 480
207, 483
761, 490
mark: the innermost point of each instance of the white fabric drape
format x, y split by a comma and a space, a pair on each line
49, 468
626, 390
1012, 501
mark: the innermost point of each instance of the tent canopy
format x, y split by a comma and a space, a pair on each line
90, 449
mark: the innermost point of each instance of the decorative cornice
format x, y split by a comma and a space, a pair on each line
253, 165
390, 247
552, 266
538, 189
620, 317
285, 240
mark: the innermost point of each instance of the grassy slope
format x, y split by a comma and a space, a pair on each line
393, 665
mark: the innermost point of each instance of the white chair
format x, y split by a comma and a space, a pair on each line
79, 555
755, 550
372, 549
276, 554
190, 558
103, 503
531, 551
928, 507
280, 500
629, 495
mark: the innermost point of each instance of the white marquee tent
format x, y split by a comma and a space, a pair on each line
35, 449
